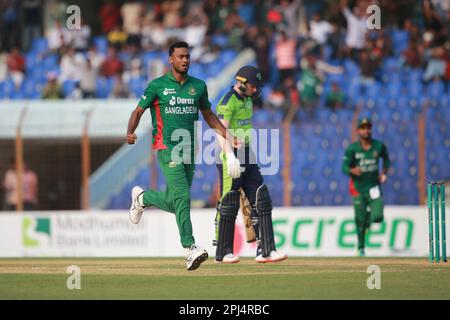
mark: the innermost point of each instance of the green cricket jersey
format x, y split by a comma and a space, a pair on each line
309, 83
368, 161
174, 106
238, 111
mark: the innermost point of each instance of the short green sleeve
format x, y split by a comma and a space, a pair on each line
225, 111
226, 108
347, 160
148, 97
204, 100
385, 156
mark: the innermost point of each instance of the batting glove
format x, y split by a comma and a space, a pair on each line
234, 166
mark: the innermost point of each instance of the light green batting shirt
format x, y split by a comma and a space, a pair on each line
238, 111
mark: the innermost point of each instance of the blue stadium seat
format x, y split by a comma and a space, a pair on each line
372, 90
137, 86
9, 88
391, 65
327, 52
444, 101
400, 40
39, 46
124, 56
261, 116
196, 70
354, 90
220, 40
30, 60
101, 44
415, 89
148, 56
393, 88
212, 69
335, 78
68, 86
30, 89
17, 95
344, 115
227, 56
351, 68
104, 87
51, 61
436, 89
414, 75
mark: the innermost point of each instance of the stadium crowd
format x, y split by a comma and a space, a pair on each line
316, 56
308, 51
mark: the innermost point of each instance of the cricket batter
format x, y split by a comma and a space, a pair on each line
361, 163
235, 110
174, 101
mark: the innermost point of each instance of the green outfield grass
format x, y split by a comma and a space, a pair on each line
166, 278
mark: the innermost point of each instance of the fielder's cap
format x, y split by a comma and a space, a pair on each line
364, 121
250, 74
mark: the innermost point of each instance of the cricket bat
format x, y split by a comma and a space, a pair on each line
246, 210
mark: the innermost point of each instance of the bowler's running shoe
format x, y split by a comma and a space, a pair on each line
137, 208
195, 257
275, 256
229, 258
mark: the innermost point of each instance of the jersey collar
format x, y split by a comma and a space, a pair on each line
172, 77
361, 146
237, 94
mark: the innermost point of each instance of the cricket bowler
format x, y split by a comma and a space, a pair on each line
174, 101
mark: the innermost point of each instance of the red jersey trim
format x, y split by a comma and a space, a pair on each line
353, 191
158, 144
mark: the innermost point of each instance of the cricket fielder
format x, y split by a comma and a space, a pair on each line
361, 163
174, 101
235, 110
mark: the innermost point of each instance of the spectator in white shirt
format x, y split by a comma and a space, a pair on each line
89, 74
71, 66
57, 37
196, 26
80, 37
320, 29
154, 35
95, 57
356, 26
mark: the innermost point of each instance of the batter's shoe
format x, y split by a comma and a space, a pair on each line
275, 256
229, 258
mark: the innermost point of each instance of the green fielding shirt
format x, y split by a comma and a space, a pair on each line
309, 83
174, 106
368, 161
238, 111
